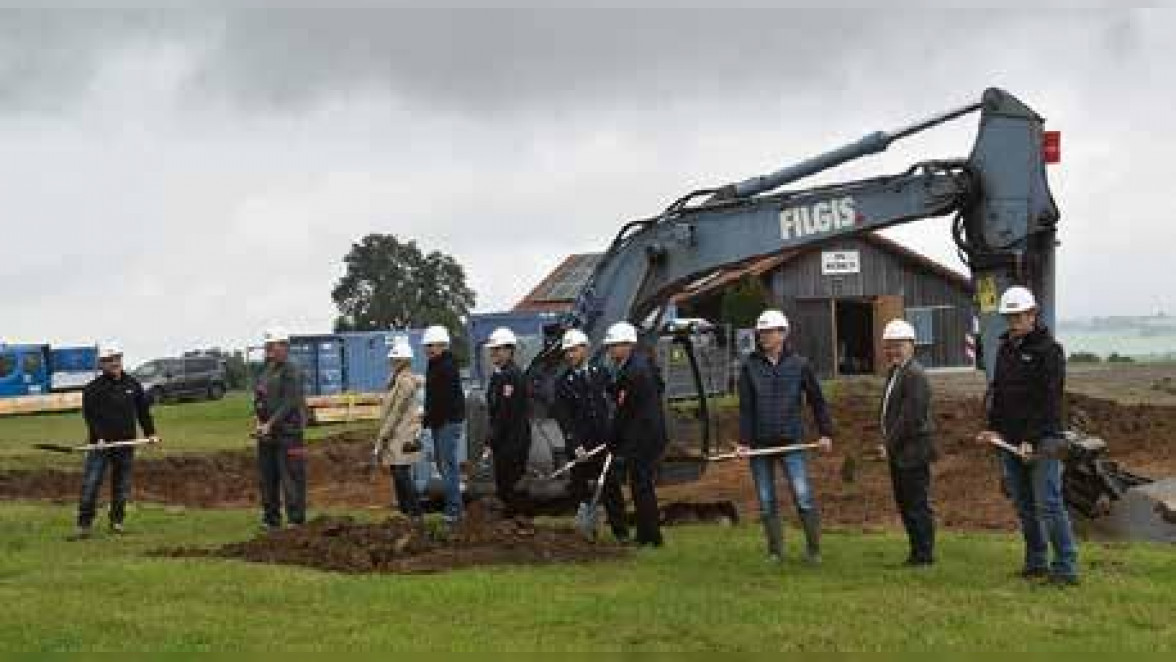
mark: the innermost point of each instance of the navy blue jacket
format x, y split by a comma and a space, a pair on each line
581, 406
639, 426
508, 403
1025, 399
770, 399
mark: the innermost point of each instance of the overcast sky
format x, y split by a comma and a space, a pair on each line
174, 180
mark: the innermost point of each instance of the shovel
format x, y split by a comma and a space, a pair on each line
101, 445
1004, 445
583, 458
586, 515
774, 450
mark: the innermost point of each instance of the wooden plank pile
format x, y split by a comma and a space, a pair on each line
37, 404
344, 408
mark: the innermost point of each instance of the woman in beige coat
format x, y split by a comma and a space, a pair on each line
396, 444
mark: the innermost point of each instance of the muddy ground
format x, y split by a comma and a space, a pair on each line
854, 489
342, 544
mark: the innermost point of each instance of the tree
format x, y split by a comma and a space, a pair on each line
390, 284
1085, 357
743, 303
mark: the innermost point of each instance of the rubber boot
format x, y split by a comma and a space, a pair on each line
774, 533
811, 520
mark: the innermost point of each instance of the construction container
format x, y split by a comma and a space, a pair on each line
24, 370
365, 353
72, 368
320, 359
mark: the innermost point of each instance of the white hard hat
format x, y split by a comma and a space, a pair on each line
436, 335
573, 338
898, 330
502, 337
400, 350
620, 333
1017, 299
771, 319
276, 334
109, 351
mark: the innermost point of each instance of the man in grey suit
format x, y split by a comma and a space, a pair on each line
907, 429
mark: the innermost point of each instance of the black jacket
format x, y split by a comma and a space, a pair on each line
278, 399
112, 406
444, 399
771, 396
907, 424
1025, 399
639, 426
509, 404
581, 406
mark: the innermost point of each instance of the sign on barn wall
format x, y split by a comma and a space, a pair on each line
840, 263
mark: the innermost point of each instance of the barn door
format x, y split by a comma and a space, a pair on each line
886, 307
812, 334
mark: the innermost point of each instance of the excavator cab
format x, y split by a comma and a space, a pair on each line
690, 426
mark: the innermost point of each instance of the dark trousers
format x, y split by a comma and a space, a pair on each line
912, 487
584, 477
510, 464
281, 469
120, 461
642, 473
403, 487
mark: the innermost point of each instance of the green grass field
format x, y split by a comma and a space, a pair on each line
190, 427
710, 589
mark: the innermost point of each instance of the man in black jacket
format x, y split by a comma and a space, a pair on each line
111, 405
773, 384
445, 416
279, 410
907, 427
638, 435
1025, 410
508, 403
582, 411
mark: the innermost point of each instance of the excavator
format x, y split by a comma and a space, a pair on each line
1004, 225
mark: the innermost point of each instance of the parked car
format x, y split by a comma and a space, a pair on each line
187, 378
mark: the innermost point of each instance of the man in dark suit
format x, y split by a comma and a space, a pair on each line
638, 435
907, 428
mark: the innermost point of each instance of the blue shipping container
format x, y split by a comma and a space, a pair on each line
72, 367
366, 358
320, 358
24, 370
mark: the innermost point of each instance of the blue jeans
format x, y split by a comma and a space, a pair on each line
120, 461
763, 472
1036, 489
446, 441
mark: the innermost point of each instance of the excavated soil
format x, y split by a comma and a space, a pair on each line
342, 544
852, 486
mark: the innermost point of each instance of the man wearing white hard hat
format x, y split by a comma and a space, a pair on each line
445, 416
279, 410
1025, 411
508, 403
639, 429
396, 442
112, 404
774, 383
581, 408
907, 427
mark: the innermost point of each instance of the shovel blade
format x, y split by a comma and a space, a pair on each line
56, 448
586, 518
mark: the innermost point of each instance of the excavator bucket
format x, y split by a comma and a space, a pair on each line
1112, 503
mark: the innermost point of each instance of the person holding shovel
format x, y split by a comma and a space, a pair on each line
1025, 420
581, 408
508, 402
638, 436
111, 404
907, 428
773, 384
397, 445
280, 418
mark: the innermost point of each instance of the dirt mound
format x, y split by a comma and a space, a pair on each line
342, 544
